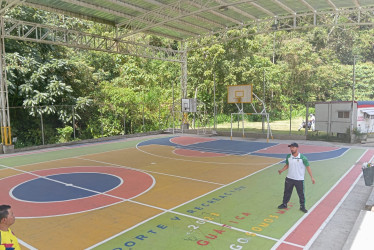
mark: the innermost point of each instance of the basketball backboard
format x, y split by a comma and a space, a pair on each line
239, 93
189, 105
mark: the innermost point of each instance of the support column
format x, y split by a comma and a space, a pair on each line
185, 124
6, 135
184, 71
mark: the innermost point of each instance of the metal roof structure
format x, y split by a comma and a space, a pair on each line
187, 21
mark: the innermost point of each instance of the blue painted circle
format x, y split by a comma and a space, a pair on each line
63, 187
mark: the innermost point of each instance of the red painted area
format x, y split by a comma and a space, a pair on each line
184, 140
303, 233
284, 149
285, 246
134, 184
194, 153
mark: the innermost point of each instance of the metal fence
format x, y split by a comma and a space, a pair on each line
41, 125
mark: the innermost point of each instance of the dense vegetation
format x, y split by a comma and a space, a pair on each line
108, 94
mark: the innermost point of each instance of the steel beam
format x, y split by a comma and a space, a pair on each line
341, 17
34, 32
137, 24
8, 5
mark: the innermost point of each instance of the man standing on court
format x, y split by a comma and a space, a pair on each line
8, 241
296, 164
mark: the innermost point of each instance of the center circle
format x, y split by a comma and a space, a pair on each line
64, 187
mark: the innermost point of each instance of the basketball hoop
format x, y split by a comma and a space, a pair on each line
238, 99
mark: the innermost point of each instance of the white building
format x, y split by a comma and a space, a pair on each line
336, 117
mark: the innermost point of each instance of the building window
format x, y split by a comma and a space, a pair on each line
343, 114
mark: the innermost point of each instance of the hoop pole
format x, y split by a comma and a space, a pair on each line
231, 126
267, 136
242, 119
172, 107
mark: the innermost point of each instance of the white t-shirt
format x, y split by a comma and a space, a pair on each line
296, 166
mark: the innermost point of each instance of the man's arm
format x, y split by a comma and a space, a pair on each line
310, 173
283, 169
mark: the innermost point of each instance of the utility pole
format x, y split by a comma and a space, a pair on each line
353, 98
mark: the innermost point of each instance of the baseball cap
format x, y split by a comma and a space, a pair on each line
294, 144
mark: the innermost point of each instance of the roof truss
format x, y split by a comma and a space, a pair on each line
191, 21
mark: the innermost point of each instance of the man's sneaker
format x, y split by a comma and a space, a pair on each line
303, 209
282, 206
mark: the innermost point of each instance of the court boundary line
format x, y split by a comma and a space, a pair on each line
190, 216
150, 171
44, 202
324, 224
336, 148
189, 137
180, 159
267, 147
68, 157
282, 240
145, 170
93, 191
26, 244
211, 150
222, 154
311, 241
332, 158
79, 145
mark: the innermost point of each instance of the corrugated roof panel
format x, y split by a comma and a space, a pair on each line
117, 7
235, 15
273, 7
172, 33
143, 4
51, 3
344, 3
250, 9
175, 18
367, 2
217, 19
193, 20
320, 4
178, 25
296, 5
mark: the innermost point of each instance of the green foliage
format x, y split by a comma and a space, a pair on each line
65, 134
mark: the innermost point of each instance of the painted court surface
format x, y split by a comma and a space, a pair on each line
174, 192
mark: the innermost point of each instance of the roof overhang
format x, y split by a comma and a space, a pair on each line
369, 111
189, 19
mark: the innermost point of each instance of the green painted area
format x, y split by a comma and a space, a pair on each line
173, 231
68, 152
249, 205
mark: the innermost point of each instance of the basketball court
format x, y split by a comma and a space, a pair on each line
172, 192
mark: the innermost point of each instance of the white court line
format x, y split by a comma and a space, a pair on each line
210, 162
171, 138
315, 205
269, 156
201, 152
149, 171
85, 189
83, 145
147, 205
170, 210
177, 206
68, 157
336, 208
26, 244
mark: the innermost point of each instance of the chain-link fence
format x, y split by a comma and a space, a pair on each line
41, 125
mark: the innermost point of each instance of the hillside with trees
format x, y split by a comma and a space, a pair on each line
103, 94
